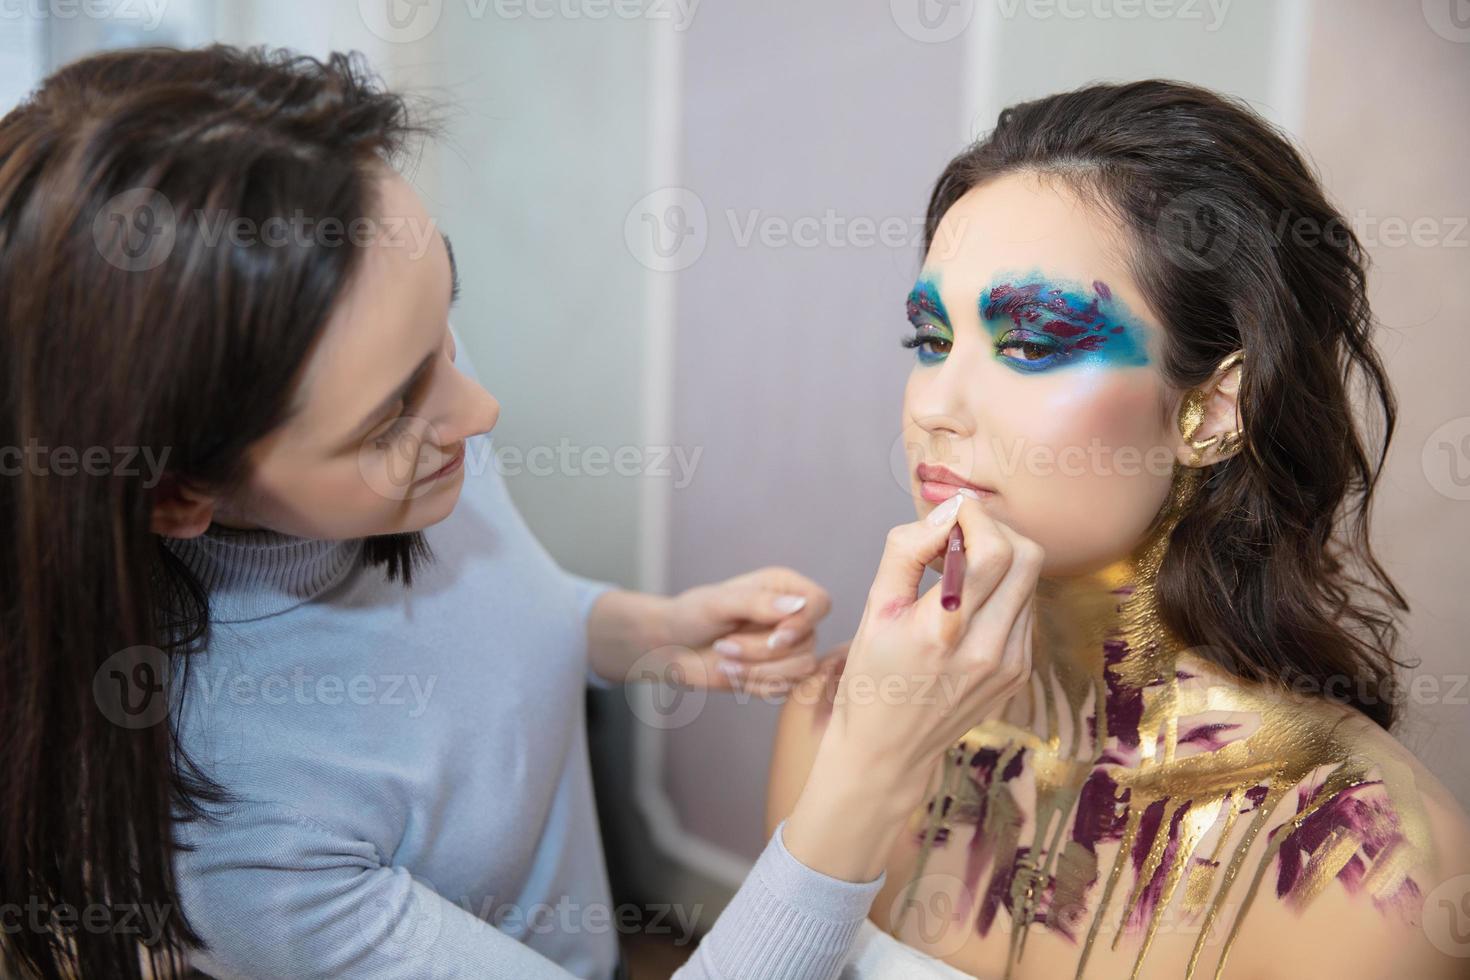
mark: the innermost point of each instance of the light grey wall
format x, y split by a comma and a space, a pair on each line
789, 372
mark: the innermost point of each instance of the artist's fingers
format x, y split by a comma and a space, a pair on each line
754, 675
906, 553
755, 646
988, 552
778, 597
998, 627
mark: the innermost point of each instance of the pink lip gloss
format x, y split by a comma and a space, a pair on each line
954, 570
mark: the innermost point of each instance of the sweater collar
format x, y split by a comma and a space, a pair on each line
257, 573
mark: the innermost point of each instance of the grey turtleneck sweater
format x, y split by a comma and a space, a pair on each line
412, 770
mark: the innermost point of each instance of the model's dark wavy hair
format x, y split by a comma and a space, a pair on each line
197, 355
1270, 573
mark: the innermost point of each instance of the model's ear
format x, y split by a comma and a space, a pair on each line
179, 510
1211, 428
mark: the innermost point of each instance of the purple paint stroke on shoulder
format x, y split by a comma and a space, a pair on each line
1364, 811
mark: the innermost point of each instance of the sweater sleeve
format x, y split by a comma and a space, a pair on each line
276, 893
588, 592
786, 922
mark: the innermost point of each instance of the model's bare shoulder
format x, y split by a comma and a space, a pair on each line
1371, 870
799, 731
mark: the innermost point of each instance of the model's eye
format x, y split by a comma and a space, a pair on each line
929, 345
1021, 348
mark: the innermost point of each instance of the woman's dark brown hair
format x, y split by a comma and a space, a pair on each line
122, 325
1271, 572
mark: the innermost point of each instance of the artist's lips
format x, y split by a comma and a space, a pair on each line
447, 468
937, 484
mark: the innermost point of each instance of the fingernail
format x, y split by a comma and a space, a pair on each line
780, 638
789, 603
727, 647
969, 493
945, 512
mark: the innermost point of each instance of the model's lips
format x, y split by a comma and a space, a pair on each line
447, 468
937, 484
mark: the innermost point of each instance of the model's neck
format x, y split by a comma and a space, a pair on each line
1099, 639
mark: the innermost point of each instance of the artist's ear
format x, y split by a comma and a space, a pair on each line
179, 510
1212, 410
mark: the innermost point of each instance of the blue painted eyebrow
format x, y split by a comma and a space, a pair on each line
923, 300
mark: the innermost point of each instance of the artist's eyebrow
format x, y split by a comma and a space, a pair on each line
453, 270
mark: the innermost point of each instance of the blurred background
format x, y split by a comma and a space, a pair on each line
686, 229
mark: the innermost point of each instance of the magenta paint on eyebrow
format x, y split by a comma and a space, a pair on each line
1069, 321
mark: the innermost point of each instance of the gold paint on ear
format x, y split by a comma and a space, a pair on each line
1192, 416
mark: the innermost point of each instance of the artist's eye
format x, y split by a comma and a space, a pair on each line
929, 345
396, 429
1022, 350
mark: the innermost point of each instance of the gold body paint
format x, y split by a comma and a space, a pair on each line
1296, 744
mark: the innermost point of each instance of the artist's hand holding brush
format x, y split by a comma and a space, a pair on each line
917, 677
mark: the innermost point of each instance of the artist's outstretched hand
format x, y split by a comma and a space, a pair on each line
754, 632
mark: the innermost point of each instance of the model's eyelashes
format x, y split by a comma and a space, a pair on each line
1030, 351
929, 343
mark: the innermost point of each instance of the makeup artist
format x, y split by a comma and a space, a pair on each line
307, 698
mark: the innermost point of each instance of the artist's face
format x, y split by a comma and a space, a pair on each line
382, 405
1037, 374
